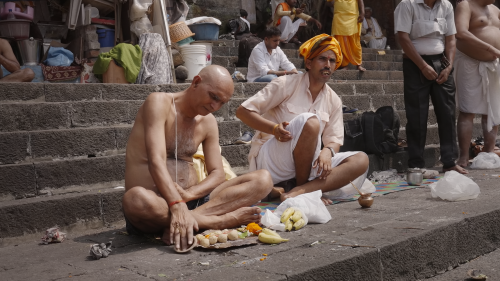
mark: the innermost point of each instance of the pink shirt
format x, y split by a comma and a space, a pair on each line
288, 96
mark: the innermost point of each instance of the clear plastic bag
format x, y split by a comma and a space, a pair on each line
455, 187
485, 160
141, 26
139, 8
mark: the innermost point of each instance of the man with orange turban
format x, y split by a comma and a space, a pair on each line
293, 116
348, 16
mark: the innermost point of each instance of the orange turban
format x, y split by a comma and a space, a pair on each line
320, 44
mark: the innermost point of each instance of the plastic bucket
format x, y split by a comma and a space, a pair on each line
106, 37
195, 59
205, 31
208, 50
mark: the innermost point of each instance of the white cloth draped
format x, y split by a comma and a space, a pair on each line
478, 85
375, 38
289, 28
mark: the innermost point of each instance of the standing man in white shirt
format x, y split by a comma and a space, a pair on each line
267, 58
426, 31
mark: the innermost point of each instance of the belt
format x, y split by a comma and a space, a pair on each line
427, 57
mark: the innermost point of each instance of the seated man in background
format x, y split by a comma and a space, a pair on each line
162, 192
371, 33
292, 115
8, 61
267, 58
283, 19
240, 26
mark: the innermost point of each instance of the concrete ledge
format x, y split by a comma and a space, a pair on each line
404, 236
33, 215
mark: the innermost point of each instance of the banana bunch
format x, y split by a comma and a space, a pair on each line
270, 237
292, 219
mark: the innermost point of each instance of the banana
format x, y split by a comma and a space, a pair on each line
288, 225
270, 232
299, 224
287, 214
270, 239
297, 215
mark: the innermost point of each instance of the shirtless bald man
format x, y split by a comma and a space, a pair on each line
478, 72
153, 201
9, 61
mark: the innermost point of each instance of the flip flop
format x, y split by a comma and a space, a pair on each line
195, 243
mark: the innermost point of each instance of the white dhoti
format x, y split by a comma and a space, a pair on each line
375, 43
277, 157
478, 87
289, 28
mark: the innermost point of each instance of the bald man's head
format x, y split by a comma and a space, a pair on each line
214, 83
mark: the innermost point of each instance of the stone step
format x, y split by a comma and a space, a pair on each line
230, 61
292, 53
87, 205
16, 93
42, 145
55, 176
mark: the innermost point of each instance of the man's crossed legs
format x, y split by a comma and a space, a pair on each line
228, 207
294, 159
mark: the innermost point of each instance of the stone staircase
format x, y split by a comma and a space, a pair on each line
62, 145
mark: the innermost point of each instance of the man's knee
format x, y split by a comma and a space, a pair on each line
138, 201
28, 74
360, 161
312, 126
263, 180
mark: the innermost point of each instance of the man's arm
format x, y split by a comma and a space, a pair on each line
411, 52
281, 13
462, 20
308, 18
266, 99
213, 161
286, 64
155, 115
361, 8
7, 57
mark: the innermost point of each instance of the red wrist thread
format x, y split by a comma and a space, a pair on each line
175, 202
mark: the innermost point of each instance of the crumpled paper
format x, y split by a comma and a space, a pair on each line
98, 251
53, 235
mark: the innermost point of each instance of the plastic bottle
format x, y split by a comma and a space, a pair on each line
11, 15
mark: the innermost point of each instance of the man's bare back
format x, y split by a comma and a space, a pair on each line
484, 23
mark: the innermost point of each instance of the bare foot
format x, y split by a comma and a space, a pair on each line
463, 163
362, 69
456, 168
241, 216
303, 24
276, 192
326, 201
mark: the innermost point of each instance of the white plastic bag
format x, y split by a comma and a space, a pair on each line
139, 8
454, 187
348, 191
485, 160
141, 26
311, 206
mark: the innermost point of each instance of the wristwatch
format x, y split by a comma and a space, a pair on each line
331, 149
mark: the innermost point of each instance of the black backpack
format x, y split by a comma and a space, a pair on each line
381, 131
245, 49
374, 133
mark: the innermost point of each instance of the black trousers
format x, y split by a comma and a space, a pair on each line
417, 90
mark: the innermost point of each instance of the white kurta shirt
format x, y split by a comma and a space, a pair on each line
261, 62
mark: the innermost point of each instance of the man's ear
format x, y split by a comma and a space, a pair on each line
196, 81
